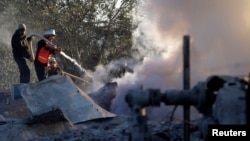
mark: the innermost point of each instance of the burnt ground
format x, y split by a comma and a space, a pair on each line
12, 109
15, 125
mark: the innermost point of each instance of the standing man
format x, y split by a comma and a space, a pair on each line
21, 51
44, 52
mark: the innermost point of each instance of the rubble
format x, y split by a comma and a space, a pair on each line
34, 118
60, 93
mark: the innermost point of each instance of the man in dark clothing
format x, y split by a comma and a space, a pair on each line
21, 51
44, 52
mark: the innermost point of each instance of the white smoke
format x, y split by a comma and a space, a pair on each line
219, 32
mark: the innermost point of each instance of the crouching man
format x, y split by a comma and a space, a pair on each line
53, 68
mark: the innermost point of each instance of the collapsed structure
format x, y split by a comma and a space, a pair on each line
60, 93
221, 100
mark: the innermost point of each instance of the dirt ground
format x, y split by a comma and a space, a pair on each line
15, 125
12, 109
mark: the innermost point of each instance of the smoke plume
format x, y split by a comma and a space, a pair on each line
219, 32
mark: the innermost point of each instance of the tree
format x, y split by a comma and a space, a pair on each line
91, 31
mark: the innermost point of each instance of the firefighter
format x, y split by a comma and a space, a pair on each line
21, 52
44, 51
53, 68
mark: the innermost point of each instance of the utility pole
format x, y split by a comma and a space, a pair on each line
186, 84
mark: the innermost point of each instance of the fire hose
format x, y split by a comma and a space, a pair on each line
40, 36
31, 50
62, 53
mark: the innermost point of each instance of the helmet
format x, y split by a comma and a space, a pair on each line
52, 60
50, 32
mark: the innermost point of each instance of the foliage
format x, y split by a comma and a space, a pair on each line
91, 31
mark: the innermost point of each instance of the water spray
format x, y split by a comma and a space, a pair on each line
73, 61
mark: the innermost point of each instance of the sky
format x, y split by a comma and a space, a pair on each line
220, 45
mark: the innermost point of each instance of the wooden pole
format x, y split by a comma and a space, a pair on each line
73, 76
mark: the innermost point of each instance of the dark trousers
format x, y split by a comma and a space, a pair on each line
40, 70
23, 69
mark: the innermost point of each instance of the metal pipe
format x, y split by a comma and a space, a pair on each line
186, 84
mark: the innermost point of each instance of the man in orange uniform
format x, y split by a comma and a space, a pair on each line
44, 51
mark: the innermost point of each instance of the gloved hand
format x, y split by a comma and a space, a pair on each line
58, 50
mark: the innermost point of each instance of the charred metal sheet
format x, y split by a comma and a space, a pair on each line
60, 92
